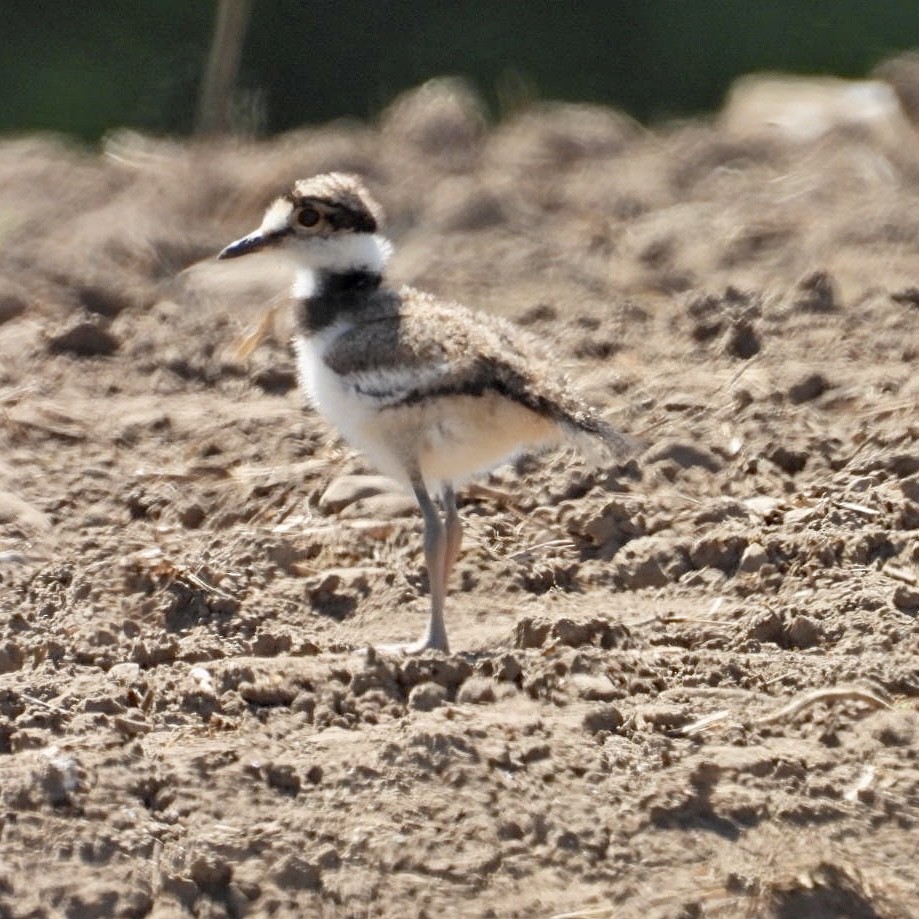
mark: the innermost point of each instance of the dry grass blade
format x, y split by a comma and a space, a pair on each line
887, 409
858, 508
50, 706
705, 722
648, 620
834, 694
170, 572
564, 545
246, 345
813, 697
585, 913
201, 584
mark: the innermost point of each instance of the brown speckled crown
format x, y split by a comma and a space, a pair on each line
353, 207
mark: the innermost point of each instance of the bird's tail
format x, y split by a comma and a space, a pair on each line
598, 440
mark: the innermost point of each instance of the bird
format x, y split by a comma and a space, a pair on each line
432, 392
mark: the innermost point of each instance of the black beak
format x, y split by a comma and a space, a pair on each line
251, 243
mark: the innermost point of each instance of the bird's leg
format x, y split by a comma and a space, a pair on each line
435, 548
441, 547
454, 528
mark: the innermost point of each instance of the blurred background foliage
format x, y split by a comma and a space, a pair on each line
89, 66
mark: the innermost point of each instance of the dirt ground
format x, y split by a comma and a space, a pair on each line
683, 686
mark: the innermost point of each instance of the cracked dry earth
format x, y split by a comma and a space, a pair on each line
684, 686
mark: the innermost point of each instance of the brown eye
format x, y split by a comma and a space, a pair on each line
308, 217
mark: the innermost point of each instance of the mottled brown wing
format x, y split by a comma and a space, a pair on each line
428, 349
424, 348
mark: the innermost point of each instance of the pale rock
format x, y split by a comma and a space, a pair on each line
347, 489
386, 506
753, 558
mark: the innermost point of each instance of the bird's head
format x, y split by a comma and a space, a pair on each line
326, 223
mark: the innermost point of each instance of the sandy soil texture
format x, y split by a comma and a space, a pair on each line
683, 686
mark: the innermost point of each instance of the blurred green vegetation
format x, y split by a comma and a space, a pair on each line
88, 66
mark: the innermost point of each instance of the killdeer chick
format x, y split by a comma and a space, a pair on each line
430, 391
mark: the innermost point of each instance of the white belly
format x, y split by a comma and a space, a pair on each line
448, 439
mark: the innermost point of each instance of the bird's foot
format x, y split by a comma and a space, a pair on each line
426, 643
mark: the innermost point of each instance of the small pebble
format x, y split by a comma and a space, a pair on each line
427, 696
603, 718
753, 558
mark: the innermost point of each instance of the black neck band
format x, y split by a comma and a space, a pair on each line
345, 282
336, 294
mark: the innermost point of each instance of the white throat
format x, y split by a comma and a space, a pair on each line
355, 252
339, 255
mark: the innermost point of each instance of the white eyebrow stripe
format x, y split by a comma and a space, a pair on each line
277, 217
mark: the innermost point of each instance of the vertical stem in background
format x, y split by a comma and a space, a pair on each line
222, 66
